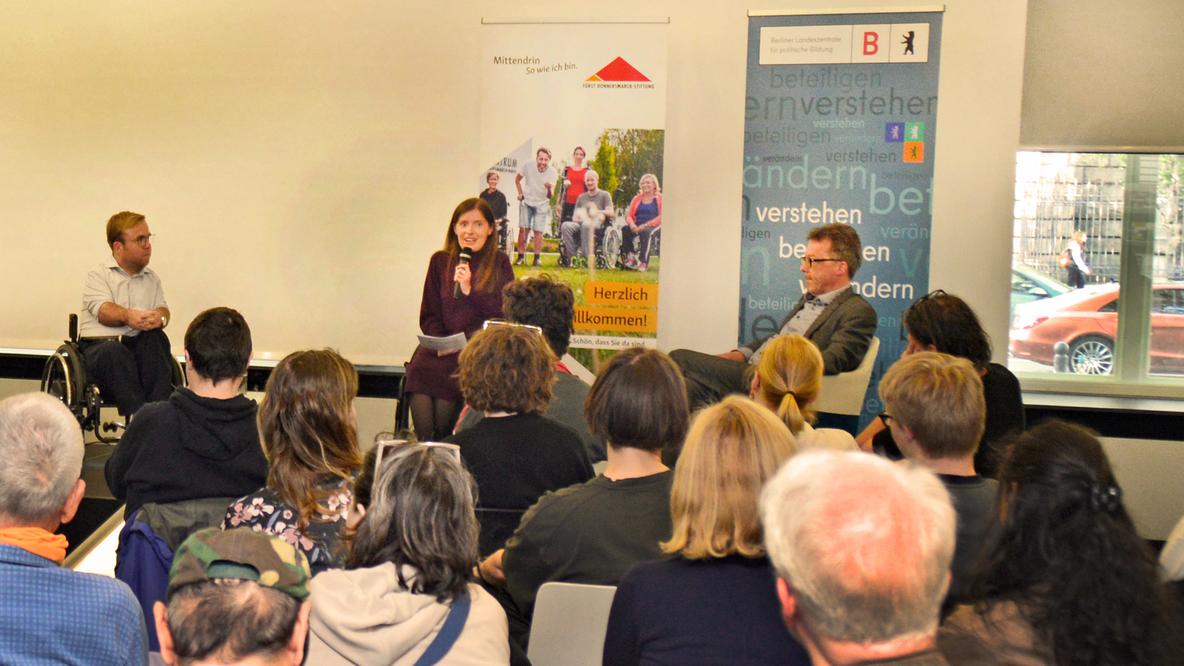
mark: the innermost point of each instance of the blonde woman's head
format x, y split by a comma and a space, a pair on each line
732, 448
788, 379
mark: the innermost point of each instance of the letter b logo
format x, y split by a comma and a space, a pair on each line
869, 47
871, 43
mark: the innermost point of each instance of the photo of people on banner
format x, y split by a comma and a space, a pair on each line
590, 215
577, 156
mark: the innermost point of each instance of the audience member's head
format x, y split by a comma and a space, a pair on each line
935, 406
420, 515
862, 548
844, 243
235, 596
788, 378
507, 368
119, 223
1069, 553
218, 345
944, 323
542, 301
308, 428
639, 401
41, 446
732, 448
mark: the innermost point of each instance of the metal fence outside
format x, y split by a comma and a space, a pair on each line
1060, 193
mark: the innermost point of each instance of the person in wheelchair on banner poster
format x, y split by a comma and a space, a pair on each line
124, 314
593, 209
643, 219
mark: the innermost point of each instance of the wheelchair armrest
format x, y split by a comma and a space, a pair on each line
73, 327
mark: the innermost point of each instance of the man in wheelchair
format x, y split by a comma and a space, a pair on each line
592, 210
123, 342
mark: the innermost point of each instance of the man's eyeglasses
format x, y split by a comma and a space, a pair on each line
142, 241
887, 419
809, 262
503, 322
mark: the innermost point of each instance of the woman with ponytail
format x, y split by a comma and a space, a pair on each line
787, 381
1068, 580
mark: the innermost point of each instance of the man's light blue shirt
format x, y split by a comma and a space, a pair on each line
51, 615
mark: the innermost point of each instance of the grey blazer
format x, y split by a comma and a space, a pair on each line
842, 332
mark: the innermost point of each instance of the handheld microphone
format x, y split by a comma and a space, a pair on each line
465, 255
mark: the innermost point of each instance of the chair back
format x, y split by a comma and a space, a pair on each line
497, 525
174, 522
844, 393
143, 561
569, 625
147, 542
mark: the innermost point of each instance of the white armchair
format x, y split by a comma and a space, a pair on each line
844, 393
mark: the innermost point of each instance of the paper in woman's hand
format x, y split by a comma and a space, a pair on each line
453, 342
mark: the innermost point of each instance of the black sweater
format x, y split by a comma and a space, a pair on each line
188, 448
515, 459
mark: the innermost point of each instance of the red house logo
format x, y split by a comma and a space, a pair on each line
619, 70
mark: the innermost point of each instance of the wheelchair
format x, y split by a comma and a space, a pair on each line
64, 377
504, 241
607, 246
655, 247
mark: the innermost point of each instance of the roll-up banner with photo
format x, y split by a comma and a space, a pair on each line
840, 122
573, 121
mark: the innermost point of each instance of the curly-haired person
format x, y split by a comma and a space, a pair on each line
515, 453
544, 302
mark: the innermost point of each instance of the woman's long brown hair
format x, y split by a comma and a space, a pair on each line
307, 429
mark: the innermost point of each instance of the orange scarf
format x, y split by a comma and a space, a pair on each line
36, 541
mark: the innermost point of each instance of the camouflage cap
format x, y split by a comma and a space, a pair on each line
242, 554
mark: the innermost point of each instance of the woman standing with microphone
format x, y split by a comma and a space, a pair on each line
458, 296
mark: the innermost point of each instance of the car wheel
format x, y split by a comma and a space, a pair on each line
1091, 355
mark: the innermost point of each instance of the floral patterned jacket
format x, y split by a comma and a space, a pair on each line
264, 511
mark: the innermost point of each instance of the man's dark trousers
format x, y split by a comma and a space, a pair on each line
131, 370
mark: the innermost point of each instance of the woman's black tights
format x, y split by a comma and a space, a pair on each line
432, 418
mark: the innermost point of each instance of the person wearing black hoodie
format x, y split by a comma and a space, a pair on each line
203, 442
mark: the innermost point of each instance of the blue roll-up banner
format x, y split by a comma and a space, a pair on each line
840, 122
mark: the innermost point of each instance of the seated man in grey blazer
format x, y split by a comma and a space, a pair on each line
831, 314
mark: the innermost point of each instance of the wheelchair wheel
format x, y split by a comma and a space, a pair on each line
612, 249
655, 244
64, 377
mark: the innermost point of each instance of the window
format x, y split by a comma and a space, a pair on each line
1097, 288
